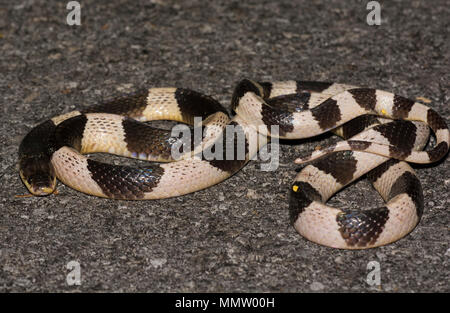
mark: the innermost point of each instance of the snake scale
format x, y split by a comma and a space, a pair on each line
381, 132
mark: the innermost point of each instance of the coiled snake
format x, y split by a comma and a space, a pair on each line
378, 141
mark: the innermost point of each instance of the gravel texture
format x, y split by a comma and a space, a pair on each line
233, 237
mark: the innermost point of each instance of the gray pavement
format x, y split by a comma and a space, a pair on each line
235, 236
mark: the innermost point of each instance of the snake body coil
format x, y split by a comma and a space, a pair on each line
374, 145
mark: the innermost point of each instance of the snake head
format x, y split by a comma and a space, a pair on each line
38, 175
35, 167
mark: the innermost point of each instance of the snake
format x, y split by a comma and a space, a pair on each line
381, 132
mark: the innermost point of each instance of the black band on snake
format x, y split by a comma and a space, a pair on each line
381, 131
